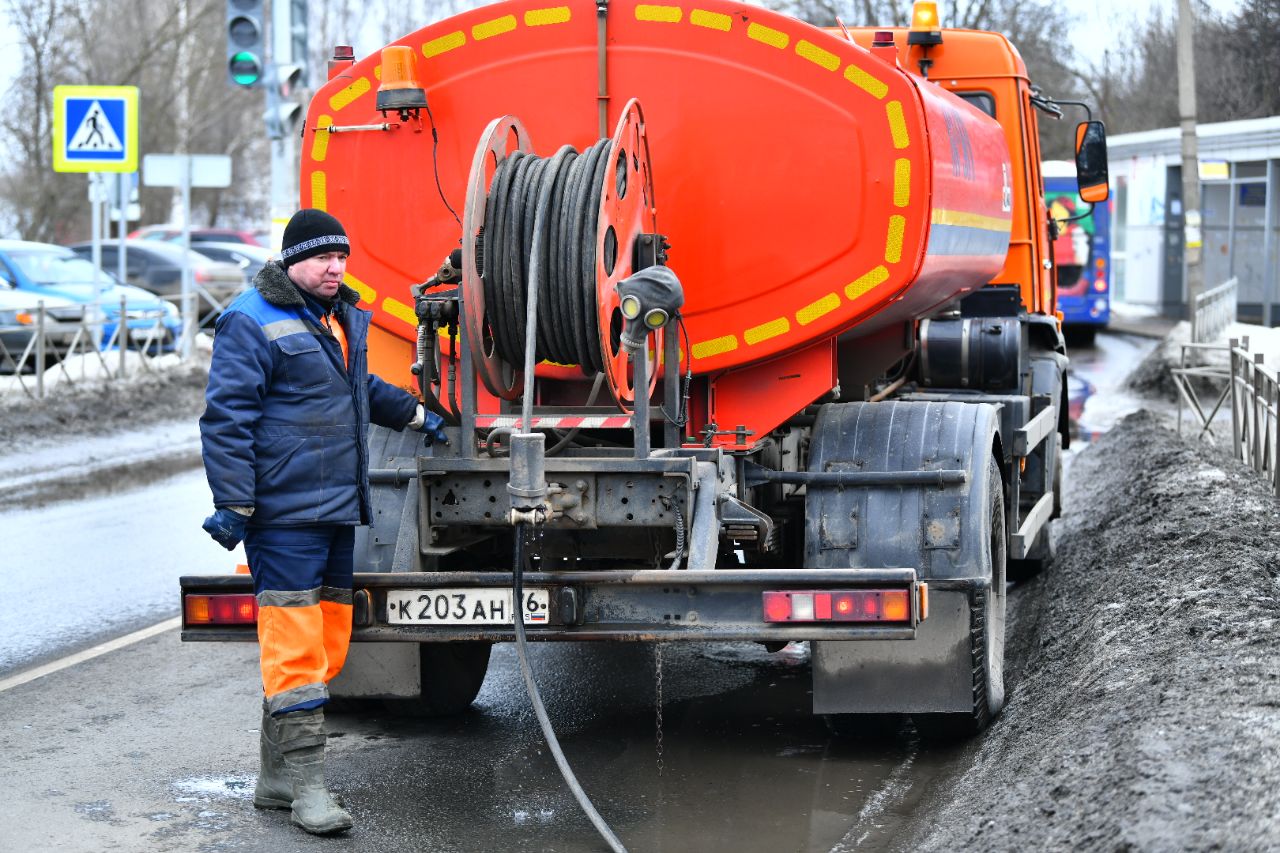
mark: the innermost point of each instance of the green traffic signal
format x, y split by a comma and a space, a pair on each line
245, 68
246, 51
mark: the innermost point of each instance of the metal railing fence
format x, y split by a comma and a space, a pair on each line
1213, 312
31, 370
1255, 413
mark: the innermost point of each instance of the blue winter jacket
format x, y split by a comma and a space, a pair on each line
285, 425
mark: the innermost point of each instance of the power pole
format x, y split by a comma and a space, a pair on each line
1191, 238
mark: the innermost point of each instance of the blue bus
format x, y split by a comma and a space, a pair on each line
1081, 253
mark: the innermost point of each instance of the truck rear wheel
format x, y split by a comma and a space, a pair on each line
986, 636
451, 677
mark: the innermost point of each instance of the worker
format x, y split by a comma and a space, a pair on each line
284, 439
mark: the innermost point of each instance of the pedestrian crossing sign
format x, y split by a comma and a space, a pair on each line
95, 128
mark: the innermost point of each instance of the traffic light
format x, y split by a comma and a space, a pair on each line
282, 118
290, 77
245, 46
298, 40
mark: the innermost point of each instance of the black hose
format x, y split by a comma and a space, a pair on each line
558, 197
535, 698
425, 378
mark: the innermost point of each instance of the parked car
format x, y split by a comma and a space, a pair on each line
250, 259
173, 233
47, 270
20, 321
157, 267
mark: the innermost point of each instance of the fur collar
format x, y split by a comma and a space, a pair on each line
277, 288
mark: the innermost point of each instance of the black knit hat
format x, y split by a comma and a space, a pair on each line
312, 232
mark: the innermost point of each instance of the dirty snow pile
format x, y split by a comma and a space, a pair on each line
1154, 376
94, 408
1147, 716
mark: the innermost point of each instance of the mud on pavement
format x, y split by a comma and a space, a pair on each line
1147, 716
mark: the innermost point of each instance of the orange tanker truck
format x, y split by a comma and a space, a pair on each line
744, 329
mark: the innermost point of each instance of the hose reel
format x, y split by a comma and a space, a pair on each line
597, 210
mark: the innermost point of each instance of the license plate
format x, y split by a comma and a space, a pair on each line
139, 336
464, 607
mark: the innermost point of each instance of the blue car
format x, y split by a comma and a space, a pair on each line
43, 268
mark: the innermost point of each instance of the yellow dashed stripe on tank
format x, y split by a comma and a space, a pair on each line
659, 14
818, 308
318, 199
764, 331
444, 44
400, 311
715, 346
864, 81
367, 293
897, 124
901, 182
496, 27
320, 140
817, 55
768, 35
546, 17
345, 96
711, 20
893, 245
856, 288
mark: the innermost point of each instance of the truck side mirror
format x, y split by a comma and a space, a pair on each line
1091, 161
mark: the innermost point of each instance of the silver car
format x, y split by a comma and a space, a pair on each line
20, 324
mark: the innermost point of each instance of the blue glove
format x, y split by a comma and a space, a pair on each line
433, 428
226, 526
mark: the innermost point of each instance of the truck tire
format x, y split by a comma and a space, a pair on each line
986, 637
451, 677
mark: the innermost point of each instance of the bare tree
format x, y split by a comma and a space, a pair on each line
172, 50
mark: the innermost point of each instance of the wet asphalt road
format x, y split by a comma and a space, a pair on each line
1096, 399
153, 747
83, 571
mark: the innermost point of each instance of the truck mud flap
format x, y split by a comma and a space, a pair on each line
930, 675
941, 529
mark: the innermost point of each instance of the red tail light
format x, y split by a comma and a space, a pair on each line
220, 609
854, 605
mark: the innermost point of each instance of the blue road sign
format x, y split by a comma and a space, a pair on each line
95, 129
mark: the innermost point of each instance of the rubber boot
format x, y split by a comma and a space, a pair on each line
274, 789
302, 740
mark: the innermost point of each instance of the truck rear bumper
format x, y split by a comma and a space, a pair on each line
636, 606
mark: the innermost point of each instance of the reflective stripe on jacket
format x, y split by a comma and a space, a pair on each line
285, 426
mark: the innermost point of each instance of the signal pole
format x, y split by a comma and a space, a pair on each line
1191, 238
286, 74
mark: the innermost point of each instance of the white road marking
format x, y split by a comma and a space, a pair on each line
90, 654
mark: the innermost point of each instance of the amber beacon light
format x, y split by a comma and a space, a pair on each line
400, 89
926, 27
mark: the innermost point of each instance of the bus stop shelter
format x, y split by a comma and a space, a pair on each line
1239, 176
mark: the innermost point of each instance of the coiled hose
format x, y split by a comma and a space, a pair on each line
562, 195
